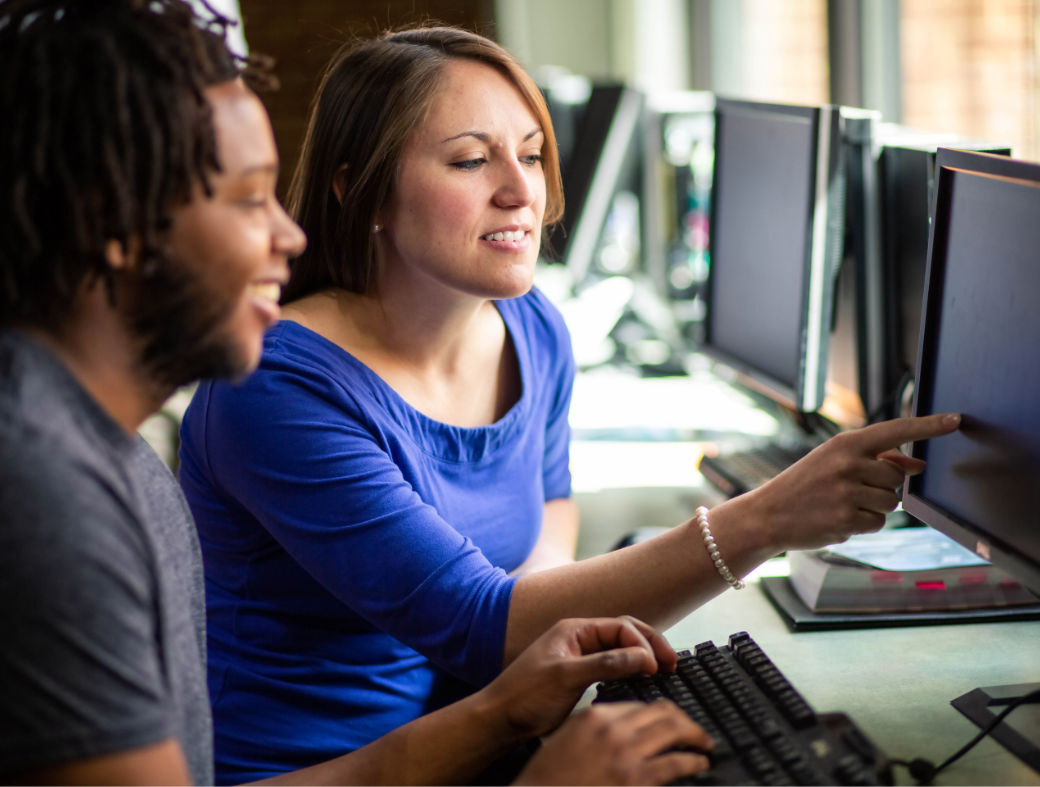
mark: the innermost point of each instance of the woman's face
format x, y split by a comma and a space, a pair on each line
470, 194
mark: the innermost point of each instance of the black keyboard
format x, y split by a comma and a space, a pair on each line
742, 471
764, 730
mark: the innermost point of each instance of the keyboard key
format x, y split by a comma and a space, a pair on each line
856, 741
764, 730
768, 727
851, 771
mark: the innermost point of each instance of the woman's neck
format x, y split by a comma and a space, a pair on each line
450, 358
425, 331
422, 324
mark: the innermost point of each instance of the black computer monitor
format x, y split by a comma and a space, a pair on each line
889, 218
856, 337
776, 237
979, 355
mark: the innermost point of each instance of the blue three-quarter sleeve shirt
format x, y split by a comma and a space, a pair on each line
356, 551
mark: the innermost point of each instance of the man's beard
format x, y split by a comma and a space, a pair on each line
180, 327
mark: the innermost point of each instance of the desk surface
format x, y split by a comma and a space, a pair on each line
895, 683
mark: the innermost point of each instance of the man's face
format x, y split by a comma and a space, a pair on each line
204, 312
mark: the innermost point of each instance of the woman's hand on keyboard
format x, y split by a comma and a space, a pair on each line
620, 743
844, 487
543, 684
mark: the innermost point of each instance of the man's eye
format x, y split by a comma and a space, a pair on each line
531, 160
470, 165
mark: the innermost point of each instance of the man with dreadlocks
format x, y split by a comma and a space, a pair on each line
141, 247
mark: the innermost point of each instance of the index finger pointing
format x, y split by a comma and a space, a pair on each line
887, 435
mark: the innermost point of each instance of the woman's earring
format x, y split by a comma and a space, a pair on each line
376, 227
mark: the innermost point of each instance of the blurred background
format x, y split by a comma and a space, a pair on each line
963, 66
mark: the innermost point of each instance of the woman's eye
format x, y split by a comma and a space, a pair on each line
470, 165
531, 160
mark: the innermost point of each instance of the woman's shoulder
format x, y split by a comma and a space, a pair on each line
299, 372
540, 320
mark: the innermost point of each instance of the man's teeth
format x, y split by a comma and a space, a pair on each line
272, 291
518, 235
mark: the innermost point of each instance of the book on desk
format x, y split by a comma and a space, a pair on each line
906, 570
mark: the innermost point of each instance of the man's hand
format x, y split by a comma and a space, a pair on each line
542, 685
622, 743
846, 486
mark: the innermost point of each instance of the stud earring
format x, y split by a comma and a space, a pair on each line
377, 227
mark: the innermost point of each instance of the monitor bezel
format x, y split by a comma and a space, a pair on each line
818, 269
948, 162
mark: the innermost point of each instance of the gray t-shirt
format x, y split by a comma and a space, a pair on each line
102, 610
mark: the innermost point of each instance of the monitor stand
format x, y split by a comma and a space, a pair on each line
1019, 733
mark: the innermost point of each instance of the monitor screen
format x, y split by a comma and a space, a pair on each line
764, 164
776, 232
980, 356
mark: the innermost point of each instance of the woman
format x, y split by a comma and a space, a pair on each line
363, 499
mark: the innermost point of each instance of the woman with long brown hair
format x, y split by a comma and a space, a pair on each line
384, 507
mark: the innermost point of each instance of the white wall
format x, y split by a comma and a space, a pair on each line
642, 41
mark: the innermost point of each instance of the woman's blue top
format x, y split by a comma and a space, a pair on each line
355, 550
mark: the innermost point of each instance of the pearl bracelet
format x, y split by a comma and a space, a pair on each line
713, 550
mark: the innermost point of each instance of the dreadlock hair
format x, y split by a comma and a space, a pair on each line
105, 129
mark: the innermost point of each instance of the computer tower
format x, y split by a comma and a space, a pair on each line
677, 175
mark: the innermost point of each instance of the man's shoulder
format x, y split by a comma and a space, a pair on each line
61, 512
49, 422
77, 577
159, 488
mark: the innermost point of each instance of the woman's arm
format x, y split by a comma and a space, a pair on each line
530, 698
327, 490
842, 488
557, 541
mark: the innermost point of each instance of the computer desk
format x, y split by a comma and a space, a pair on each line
895, 683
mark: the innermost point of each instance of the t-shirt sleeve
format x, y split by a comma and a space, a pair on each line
80, 675
556, 473
297, 453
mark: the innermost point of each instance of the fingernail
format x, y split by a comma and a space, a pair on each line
951, 420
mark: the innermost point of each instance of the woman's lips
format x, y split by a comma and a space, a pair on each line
507, 241
505, 235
